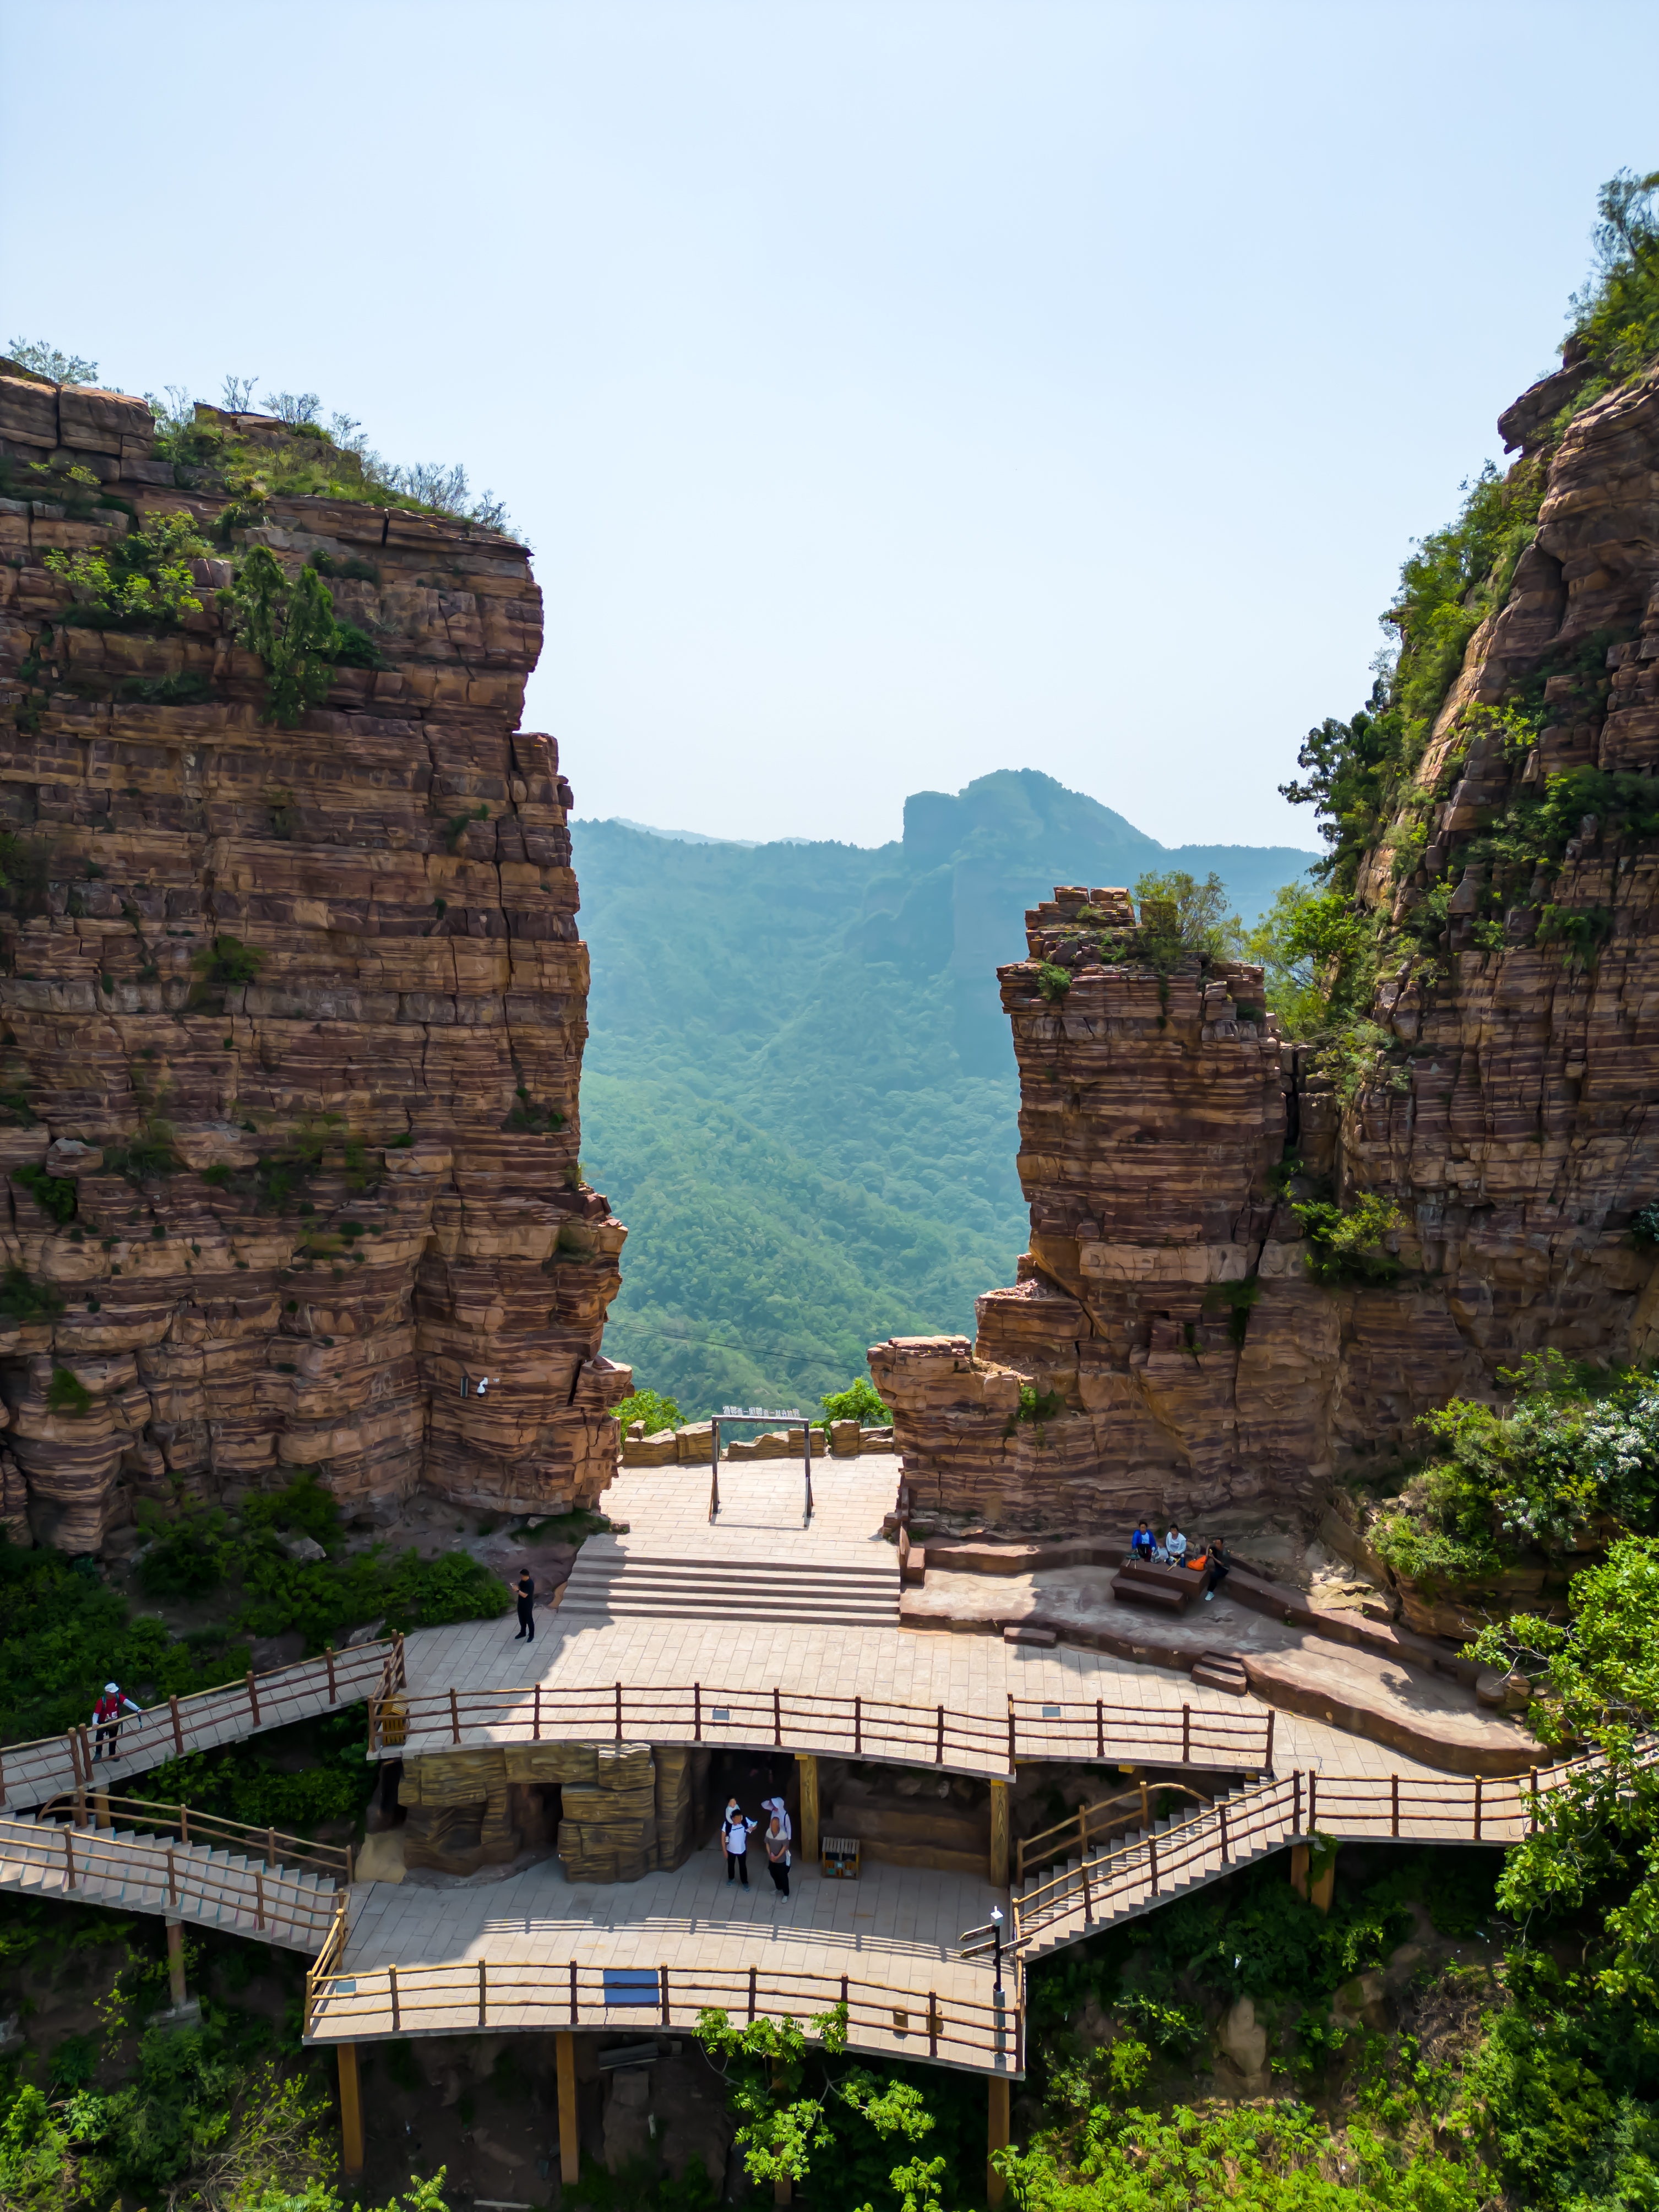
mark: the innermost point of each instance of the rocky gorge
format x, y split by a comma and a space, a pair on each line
1167, 1347
293, 1003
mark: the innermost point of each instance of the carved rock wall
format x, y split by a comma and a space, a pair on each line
309, 1204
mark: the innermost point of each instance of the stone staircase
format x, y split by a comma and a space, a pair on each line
613, 1585
1220, 1670
1146, 1869
208, 1885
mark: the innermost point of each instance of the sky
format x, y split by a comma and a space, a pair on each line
891, 393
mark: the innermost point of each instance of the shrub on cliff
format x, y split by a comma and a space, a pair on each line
651, 1407
1181, 917
1616, 318
1573, 1451
859, 1401
141, 582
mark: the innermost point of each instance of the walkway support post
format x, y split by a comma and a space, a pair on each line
351, 2112
1320, 1892
998, 1834
806, 1769
996, 2135
1299, 1870
570, 2149
176, 1962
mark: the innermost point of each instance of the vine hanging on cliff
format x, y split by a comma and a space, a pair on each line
290, 625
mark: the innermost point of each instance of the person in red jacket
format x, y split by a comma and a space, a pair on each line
106, 1713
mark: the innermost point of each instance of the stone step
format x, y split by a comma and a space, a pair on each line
830, 1593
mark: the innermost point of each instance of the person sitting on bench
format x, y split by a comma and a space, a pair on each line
1219, 1564
1140, 1544
1175, 1546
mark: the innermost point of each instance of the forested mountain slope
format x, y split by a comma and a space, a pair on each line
798, 1090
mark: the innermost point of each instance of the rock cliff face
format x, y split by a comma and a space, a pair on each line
1507, 1110
293, 1016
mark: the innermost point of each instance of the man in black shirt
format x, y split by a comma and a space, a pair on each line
526, 1609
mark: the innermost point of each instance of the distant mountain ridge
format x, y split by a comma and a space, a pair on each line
798, 1090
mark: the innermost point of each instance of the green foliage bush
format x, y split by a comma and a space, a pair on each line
1346, 1247
290, 623
1182, 918
25, 1304
859, 1401
55, 1194
1054, 980
1573, 1447
141, 582
651, 1407
1616, 317
67, 1393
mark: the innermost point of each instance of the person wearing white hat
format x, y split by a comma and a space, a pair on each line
776, 1805
106, 1713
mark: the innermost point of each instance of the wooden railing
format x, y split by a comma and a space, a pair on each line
1228, 1741
29, 1771
1349, 1809
103, 1812
472, 1996
1091, 1822
160, 1877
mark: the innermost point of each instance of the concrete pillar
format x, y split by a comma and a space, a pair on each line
1320, 1892
996, 2135
1299, 1868
999, 1850
351, 2112
176, 1962
806, 1770
570, 2147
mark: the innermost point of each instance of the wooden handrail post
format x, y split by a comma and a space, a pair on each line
271, 1847
858, 1727
696, 1712
1146, 1807
1477, 1809
536, 1725
1088, 1897
1532, 1829
1393, 1805
254, 1697
184, 1824
1100, 1729
777, 1718
1224, 1831
328, 1656
1296, 1786
1151, 1861
1010, 1731
259, 1898
619, 1711
939, 1756
751, 1997
1186, 1735
178, 1727
391, 1984
662, 1993
454, 1715
1267, 1758
933, 2023
173, 1881
482, 1992
574, 2002
68, 1857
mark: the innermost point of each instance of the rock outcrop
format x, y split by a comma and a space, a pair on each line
1166, 1348
293, 1016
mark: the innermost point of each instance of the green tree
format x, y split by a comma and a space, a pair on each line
1600, 1689
1186, 917
289, 622
1616, 316
1303, 943
51, 361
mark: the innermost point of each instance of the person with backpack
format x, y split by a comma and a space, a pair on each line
735, 1829
106, 1716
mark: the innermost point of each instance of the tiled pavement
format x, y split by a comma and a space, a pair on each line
761, 1511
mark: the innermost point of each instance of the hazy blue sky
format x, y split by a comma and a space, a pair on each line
891, 393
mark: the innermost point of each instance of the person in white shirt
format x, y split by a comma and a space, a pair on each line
1175, 1544
735, 1830
776, 1805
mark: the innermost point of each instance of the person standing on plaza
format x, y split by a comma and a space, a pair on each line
777, 1856
776, 1805
735, 1830
526, 1596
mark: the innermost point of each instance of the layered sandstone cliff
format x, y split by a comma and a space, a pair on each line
1507, 1108
296, 1014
